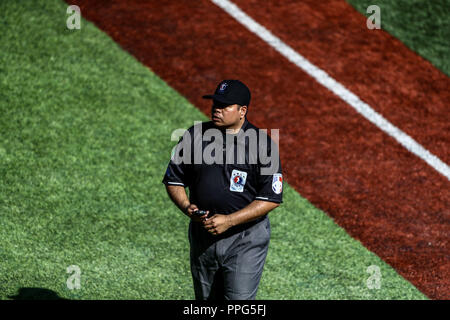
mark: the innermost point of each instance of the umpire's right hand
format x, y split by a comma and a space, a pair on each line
190, 213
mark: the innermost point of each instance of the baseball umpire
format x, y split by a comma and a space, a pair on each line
229, 200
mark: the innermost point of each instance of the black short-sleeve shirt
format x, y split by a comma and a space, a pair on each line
250, 167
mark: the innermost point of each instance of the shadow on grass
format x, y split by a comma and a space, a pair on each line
36, 294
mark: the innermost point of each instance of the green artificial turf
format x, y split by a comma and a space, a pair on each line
84, 142
422, 25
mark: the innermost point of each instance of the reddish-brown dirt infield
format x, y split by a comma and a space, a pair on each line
402, 86
384, 196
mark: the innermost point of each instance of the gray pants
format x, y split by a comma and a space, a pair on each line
228, 266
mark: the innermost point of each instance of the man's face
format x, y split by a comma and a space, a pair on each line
224, 115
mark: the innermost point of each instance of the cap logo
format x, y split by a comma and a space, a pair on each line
223, 86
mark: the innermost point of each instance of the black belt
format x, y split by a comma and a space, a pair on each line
231, 231
243, 226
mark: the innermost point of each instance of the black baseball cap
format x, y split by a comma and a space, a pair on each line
231, 92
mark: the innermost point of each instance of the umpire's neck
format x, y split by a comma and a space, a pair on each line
234, 129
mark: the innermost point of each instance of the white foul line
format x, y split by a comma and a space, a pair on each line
338, 89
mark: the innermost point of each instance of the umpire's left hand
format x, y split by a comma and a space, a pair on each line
217, 224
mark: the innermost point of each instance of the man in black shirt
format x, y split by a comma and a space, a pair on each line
233, 173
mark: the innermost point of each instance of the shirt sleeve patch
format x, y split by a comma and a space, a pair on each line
277, 183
